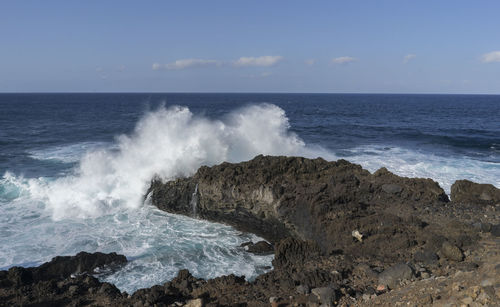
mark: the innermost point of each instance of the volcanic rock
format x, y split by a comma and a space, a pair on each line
395, 274
465, 191
452, 252
308, 199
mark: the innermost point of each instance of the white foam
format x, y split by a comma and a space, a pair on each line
99, 206
66, 153
413, 163
169, 142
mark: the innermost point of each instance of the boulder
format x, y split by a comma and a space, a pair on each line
392, 276
465, 191
451, 251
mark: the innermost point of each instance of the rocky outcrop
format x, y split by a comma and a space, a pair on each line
465, 191
61, 282
341, 236
308, 199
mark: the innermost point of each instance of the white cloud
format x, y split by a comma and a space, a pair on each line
310, 62
490, 57
157, 66
265, 61
408, 57
344, 60
185, 63
262, 61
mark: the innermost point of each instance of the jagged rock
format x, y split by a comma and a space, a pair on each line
60, 281
395, 274
309, 199
83, 262
465, 191
293, 252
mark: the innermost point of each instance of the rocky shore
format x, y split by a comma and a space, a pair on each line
340, 236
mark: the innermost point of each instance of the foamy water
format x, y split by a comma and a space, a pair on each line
99, 205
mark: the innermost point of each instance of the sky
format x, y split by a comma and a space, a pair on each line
250, 46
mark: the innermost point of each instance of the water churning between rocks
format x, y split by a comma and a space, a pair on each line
75, 168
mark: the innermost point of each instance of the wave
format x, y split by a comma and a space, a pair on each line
99, 206
414, 163
166, 143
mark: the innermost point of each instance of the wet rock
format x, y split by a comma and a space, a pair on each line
62, 281
451, 251
395, 274
465, 191
259, 248
64, 266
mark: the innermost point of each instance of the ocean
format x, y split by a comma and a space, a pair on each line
74, 168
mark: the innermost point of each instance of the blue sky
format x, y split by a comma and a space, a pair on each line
250, 46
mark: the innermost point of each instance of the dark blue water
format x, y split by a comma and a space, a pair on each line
74, 167
456, 125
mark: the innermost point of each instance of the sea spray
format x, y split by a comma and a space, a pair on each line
168, 143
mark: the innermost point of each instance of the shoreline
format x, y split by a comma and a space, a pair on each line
341, 236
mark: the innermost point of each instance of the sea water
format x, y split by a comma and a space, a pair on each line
75, 167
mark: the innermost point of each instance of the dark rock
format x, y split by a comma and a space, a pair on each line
279, 197
391, 188
486, 227
426, 257
495, 230
451, 251
64, 266
465, 191
293, 252
303, 289
20, 276
325, 295
259, 248
392, 276
60, 282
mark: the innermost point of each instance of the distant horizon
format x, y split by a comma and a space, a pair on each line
257, 93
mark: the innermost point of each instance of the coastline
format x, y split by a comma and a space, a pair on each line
341, 236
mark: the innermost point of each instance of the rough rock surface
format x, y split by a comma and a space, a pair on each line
308, 209
466, 191
279, 197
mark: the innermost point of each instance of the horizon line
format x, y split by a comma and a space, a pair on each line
282, 93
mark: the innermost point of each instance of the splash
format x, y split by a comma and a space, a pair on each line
167, 143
